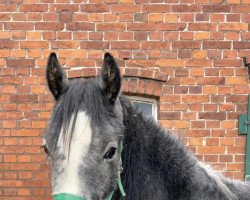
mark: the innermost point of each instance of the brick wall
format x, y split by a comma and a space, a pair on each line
196, 44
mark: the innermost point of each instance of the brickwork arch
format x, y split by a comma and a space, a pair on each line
138, 82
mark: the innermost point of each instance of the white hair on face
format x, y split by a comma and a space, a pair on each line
69, 180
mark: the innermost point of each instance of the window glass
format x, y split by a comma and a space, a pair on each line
147, 106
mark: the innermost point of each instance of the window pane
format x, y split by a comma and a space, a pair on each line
145, 108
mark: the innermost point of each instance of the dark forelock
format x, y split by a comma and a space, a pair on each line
82, 95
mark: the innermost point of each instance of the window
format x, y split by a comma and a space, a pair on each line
147, 106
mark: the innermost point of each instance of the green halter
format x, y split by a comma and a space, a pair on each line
119, 182
65, 196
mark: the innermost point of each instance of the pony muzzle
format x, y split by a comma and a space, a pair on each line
65, 196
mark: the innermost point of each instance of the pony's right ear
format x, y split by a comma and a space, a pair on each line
56, 77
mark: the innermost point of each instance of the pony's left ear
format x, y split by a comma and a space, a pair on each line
111, 77
56, 77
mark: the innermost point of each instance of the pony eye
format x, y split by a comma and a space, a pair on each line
110, 153
46, 150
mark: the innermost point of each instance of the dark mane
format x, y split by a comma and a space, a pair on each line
147, 146
152, 153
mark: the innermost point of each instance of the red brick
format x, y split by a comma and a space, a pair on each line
240, 9
170, 63
126, 36
169, 115
9, 124
18, 26
8, 7
24, 166
24, 192
111, 26
141, 26
195, 98
140, 35
217, 36
140, 17
65, 45
20, 62
95, 8
33, 7
227, 63
141, 87
161, 76
186, 45
65, 8
233, 18
171, 26
24, 98
34, 45
211, 150
155, 45
133, 85
170, 98
156, 17
110, 17
202, 27
52, 26
215, 8
5, 17
226, 158
186, 8
201, 17
25, 133
125, 45
156, 8
226, 141
212, 141
213, 115
211, 81
211, 158
180, 90
80, 26
34, 16
24, 158
197, 133
241, 45
197, 124
195, 141
126, 8
235, 166
217, 45
94, 45
233, 27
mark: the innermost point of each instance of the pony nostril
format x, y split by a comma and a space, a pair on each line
110, 153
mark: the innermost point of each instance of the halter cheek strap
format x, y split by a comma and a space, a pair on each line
65, 196
119, 182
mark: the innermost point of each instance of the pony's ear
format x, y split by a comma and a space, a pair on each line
56, 77
111, 77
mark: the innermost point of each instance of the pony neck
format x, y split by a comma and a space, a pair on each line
156, 166
153, 159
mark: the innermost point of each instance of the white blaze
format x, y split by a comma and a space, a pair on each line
69, 181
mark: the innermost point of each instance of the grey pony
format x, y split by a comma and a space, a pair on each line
156, 166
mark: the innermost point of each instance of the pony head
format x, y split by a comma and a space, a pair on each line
84, 132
